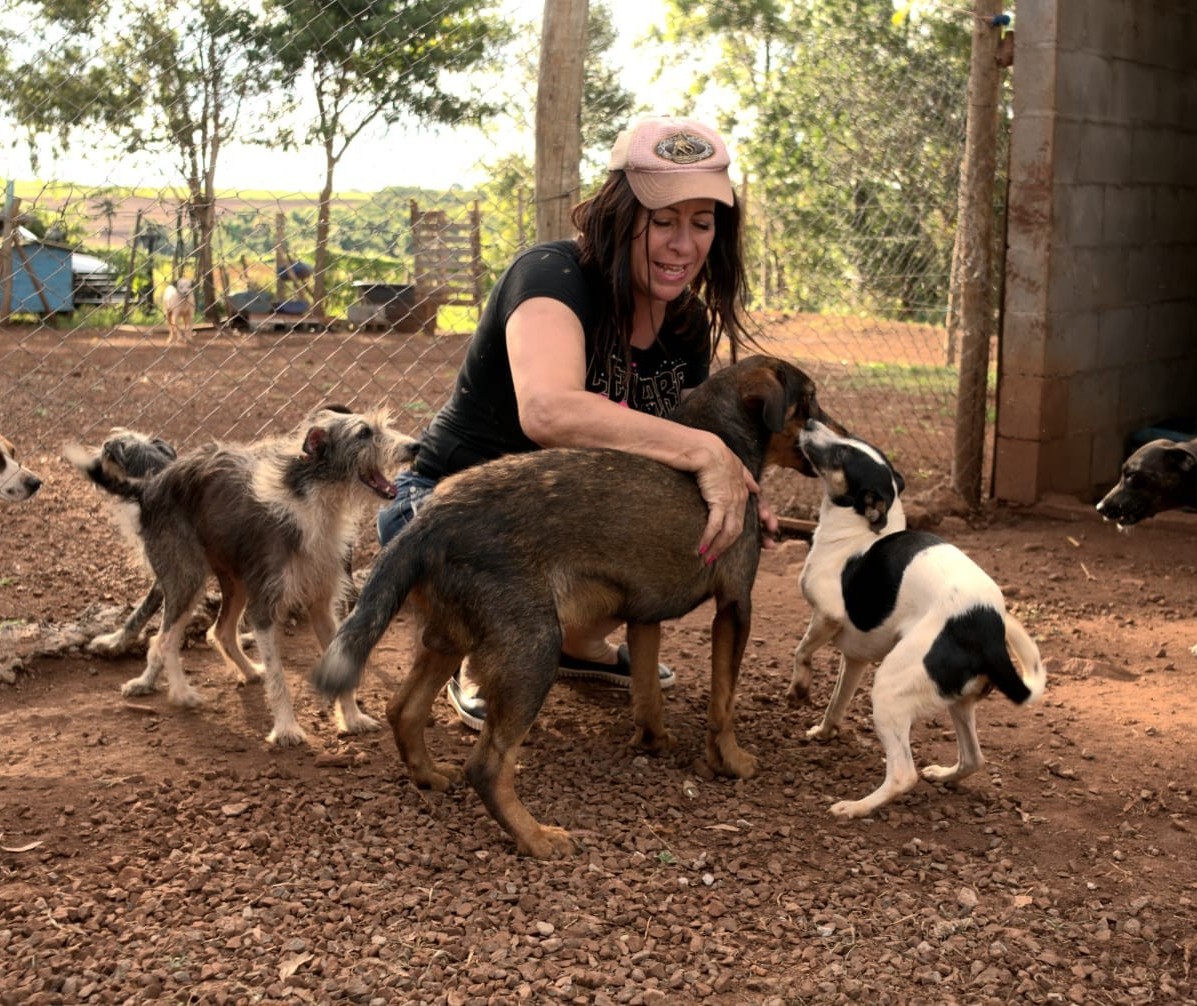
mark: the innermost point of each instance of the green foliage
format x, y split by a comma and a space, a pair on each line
606, 104
383, 60
854, 124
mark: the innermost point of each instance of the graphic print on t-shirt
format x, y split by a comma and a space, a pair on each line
656, 394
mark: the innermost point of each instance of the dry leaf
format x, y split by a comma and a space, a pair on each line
292, 964
20, 848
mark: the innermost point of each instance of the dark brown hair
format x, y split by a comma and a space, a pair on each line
606, 224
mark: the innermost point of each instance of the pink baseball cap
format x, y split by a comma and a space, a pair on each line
668, 160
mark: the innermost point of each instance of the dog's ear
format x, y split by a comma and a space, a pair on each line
314, 443
763, 388
164, 448
873, 508
1180, 459
116, 451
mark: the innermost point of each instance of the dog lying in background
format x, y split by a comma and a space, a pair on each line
17, 483
931, 619
505, 553
178, 305
274, 521
132, 455
1160, 475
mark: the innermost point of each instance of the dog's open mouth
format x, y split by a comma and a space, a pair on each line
1125, 513
380, 485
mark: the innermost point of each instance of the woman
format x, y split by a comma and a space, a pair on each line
591, 342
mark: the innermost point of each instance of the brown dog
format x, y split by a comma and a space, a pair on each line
503, 554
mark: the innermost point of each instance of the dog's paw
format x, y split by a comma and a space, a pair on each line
798, 695
135, 687
547, 842
1193, 650
110, 644
286, 736
359, 723
652, 741
729, 759
250, 675
438, 778
186, 698
823, 732
942, 773
849, 809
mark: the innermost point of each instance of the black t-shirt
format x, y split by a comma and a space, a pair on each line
480, 421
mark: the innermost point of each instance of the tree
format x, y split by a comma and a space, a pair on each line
105, 204
852, 123
156, 78
377, 61
508, 196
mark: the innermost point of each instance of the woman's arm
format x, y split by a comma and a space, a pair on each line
547, 350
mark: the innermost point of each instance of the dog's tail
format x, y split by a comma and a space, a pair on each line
397, 569
1032, 677
92, 465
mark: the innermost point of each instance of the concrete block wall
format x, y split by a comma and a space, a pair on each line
1099, 332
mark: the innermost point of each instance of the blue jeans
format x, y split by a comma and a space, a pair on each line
410, 490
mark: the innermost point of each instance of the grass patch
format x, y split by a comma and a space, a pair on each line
906, 378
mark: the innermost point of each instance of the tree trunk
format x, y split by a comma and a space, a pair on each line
323, 226
559, 116
974, 260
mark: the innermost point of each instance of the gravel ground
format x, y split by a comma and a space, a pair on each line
151, 854
155, 854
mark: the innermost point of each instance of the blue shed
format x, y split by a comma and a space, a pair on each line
42, 282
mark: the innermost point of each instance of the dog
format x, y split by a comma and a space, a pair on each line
178, 305
1160, 475
274, 521
505, 553
134, 455
17, 483
929, 617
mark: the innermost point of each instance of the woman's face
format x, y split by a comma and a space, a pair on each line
670, 247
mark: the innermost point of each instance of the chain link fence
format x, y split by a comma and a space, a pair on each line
847, 126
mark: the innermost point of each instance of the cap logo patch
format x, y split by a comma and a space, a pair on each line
684, 148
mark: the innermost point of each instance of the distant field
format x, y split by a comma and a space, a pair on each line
160, 206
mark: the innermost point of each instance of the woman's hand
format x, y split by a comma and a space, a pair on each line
725, 485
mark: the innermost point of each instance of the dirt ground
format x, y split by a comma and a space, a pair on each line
158, 854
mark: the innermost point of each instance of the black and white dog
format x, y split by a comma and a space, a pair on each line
932, 621
1160, 475
17, 483
127, 453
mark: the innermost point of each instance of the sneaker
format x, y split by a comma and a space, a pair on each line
463, 696
618, 674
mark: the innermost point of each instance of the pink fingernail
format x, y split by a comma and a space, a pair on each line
702, 549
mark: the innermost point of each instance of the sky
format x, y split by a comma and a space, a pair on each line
420, 157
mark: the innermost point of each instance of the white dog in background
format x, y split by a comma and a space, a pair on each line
178, 304
17, 482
